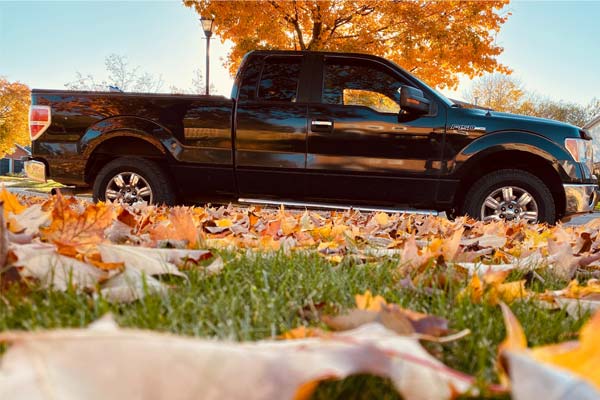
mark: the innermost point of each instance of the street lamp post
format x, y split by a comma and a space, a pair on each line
207, 27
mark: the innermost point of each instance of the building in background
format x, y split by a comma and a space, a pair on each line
593, 128
12, 163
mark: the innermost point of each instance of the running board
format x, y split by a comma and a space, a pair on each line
325, 206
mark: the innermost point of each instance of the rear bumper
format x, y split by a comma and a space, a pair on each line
35, 170
580, 198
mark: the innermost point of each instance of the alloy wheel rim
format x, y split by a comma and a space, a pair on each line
510, 203
128, 187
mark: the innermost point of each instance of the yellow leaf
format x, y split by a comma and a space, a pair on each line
224, 223
435, 246
323, 232
515, 340
288, 225
474, 290
369, 302
580, 357
301, 332
11, 203
575, 291
382, 219
507, 292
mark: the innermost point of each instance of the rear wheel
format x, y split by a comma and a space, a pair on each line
510, 195
133, 180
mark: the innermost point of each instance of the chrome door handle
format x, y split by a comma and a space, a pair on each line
321, 125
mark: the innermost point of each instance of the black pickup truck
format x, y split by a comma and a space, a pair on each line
314, 129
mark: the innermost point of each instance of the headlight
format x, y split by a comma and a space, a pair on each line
581, 150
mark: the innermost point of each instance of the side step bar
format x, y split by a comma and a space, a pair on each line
325, 206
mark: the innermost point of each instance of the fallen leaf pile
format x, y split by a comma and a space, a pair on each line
120, 252
64, 243
108, 244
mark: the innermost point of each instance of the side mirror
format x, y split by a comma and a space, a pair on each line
413, 101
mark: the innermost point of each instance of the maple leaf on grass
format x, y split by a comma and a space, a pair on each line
371, 308
492, 288
194, 368
42, 262
562, 371
77, 232
11, 203
179, 225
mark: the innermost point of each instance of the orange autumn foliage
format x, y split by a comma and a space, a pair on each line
436, 40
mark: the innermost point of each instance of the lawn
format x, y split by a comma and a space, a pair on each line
247, 273
30, 185
263, 295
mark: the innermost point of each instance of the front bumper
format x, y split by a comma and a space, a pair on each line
35, 170
580, 198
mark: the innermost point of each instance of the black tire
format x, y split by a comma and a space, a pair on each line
486, 185
155, 176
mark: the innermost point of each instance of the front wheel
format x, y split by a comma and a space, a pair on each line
133, 180
510, 195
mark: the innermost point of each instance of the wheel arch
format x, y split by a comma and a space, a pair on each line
535, 164
119, 144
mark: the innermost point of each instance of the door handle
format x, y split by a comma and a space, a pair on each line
321, 125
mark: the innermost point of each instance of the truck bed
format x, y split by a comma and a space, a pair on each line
196, 130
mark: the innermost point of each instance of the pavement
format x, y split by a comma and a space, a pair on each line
582, 219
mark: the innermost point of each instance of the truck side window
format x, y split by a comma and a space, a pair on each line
251, 73
361, 83
279, 79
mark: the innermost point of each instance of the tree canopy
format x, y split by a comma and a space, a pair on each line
120, 75
14, 111
436, 40
508, 94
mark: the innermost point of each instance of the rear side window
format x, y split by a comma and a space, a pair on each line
279, 79
251, 73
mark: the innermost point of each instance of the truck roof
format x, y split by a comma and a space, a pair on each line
327, 53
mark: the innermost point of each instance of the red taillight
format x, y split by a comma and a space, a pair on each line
39, 120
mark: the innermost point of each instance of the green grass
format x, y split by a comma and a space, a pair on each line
26, 183
261, 297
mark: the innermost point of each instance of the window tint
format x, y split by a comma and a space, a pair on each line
363, 84
250, 78
279, 79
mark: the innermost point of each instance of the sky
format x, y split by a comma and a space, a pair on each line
553, 47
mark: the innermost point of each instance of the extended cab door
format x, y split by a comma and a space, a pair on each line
361, 149
271, 120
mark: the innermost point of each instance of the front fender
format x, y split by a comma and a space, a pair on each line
526, 142
137, 127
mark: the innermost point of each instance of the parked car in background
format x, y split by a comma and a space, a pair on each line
314, 129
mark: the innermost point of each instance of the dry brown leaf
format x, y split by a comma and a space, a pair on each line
147, 260
52, 270
77, 232
30, 220
74, 361
129, 286
375, 309
180, 225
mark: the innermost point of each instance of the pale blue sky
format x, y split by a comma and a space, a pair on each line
552, 46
